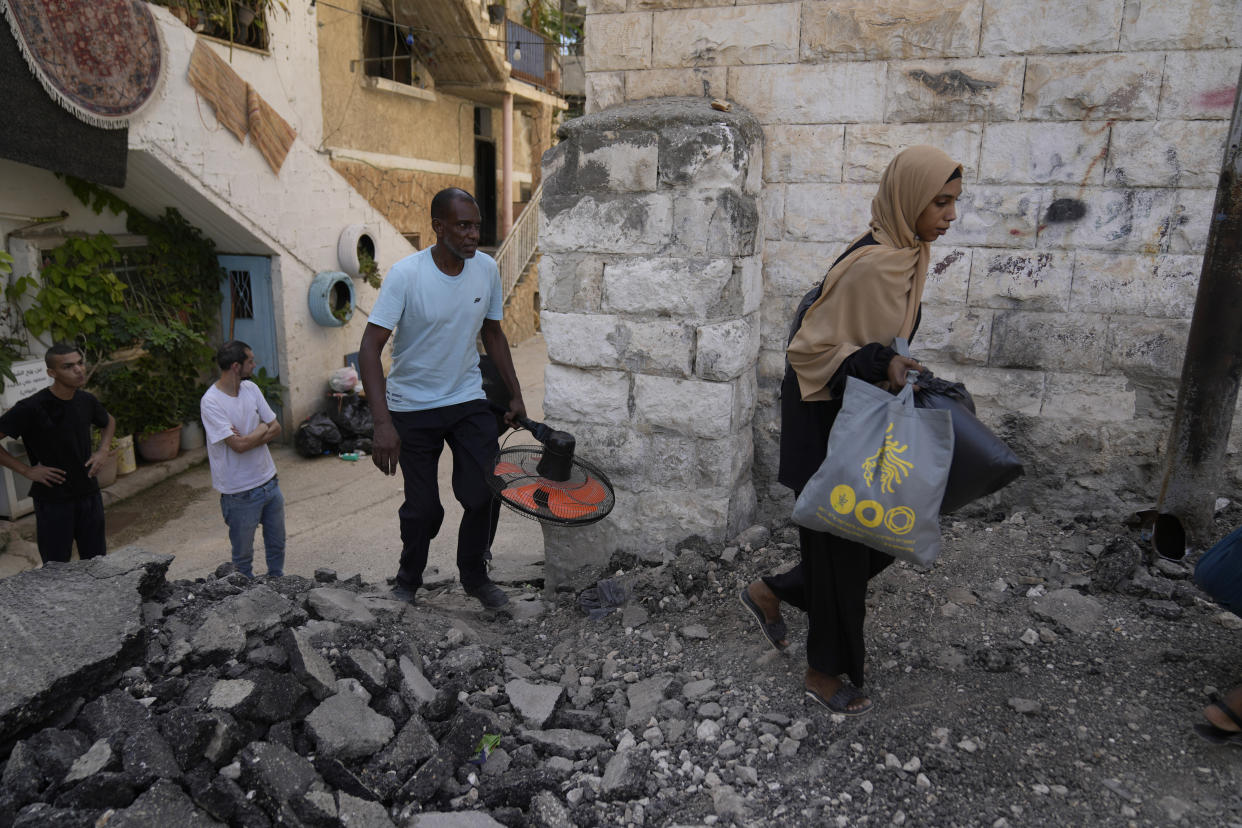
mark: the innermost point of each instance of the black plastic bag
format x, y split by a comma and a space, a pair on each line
352, 416
317, 434
982, 462
356, 444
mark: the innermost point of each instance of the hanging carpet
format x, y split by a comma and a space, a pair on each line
39, 133
99, 59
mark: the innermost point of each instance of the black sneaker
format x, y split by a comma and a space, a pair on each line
404, 593
489, 595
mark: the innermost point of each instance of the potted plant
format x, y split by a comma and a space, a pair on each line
141, 395
367, 268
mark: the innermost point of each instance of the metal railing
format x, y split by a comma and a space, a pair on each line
519, 247
534, 58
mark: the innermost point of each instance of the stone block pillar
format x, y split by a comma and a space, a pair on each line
651, 282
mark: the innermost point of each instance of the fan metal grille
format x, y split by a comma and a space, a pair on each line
582, 499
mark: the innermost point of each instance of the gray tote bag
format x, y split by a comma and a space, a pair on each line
884, 476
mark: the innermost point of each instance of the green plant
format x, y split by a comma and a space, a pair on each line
224, 18
160, 300
547, 18
270, 385
146, 396
78, 298
12, 348
367, 268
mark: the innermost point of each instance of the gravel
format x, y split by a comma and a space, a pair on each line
1042, 671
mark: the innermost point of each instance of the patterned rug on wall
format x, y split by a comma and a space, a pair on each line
99, 59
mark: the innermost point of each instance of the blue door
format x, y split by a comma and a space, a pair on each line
246, 311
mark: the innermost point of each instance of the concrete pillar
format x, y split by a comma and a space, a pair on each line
651, 280
506, 176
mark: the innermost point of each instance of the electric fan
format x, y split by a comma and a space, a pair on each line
547, 483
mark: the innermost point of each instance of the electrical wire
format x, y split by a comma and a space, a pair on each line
422, 29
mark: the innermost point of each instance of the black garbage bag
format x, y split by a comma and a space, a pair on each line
356, 444
603, 598
317, 434
352, 416
982, 462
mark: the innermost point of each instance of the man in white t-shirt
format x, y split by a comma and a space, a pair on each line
239, 425
439, 301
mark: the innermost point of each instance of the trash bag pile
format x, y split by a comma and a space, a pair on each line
347, 426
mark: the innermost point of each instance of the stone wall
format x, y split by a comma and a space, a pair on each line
1091, 134
650, 279
403, 196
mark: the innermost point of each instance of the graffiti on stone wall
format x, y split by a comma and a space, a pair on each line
952, 82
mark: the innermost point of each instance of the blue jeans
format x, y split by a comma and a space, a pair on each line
243, 512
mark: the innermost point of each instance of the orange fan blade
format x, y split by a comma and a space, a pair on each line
591, 491
564, 505
504, 468
522, 496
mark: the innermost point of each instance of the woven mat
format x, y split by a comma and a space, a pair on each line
223, 88
99, 59
239, 107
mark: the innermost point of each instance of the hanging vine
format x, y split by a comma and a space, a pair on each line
158, 302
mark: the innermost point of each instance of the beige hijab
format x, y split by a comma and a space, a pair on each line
873, 294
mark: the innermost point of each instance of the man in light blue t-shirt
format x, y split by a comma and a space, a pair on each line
438, 301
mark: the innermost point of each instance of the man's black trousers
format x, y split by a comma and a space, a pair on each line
469, 429
58, 525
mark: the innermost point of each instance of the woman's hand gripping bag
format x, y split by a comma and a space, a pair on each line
982, 462
885, 474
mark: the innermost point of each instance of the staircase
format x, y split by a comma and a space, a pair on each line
520, 246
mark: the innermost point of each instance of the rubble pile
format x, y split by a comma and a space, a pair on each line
1042, 671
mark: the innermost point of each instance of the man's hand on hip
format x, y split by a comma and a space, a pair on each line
96, 461
385, 448
47, 475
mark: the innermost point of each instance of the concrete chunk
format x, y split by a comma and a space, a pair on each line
48, 652
217, 639
535, 702
344, 727
332, 604
1070, 609
360, 813
308, 665
571, 744
276, 773
163, 805
415, 689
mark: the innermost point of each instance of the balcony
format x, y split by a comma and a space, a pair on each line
534, 59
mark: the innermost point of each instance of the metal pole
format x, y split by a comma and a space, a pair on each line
506, 173
1208, 394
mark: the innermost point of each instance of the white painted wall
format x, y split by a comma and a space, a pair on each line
180, 156
297, 215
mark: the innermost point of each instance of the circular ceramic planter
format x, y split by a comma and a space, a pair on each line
331, 298
353, 237
160, 446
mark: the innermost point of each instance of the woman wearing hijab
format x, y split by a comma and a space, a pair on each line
845, 328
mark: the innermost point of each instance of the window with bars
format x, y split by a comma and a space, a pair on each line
241, 297
385, 52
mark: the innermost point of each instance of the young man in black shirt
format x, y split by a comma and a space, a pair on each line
55, 426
